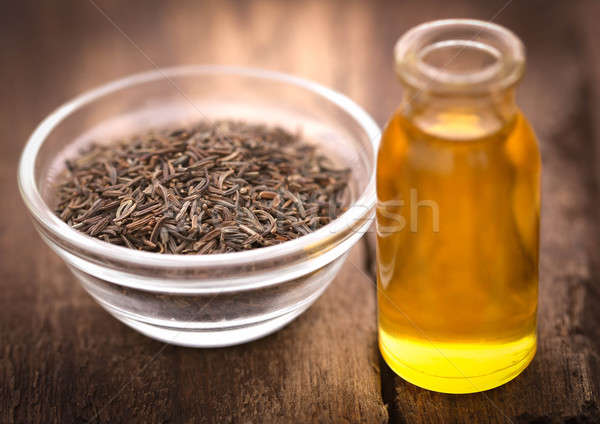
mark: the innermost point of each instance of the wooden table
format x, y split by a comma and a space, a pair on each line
63, 359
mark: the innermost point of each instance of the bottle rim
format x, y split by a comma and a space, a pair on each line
433, 57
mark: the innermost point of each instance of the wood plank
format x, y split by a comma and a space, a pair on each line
63, 359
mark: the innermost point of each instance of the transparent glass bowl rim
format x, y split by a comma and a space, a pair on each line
360, 210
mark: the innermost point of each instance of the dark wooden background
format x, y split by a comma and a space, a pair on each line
63, 359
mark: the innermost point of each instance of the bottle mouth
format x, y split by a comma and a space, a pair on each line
459, 55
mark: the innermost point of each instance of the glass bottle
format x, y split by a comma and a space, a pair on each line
458, 186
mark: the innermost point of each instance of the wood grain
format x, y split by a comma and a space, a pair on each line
63, 359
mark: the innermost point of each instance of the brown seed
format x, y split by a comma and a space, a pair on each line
210, 188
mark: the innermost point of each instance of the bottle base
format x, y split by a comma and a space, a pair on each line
457, 376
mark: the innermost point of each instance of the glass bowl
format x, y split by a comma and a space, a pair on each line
218, 299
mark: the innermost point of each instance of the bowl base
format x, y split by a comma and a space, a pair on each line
210, 338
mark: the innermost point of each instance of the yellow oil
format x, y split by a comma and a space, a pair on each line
457, 250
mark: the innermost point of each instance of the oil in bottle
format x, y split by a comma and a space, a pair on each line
458, 213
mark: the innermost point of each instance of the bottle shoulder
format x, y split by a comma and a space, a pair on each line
522, 144
404, 143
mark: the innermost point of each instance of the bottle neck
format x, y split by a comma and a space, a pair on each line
459, 115
459, 77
